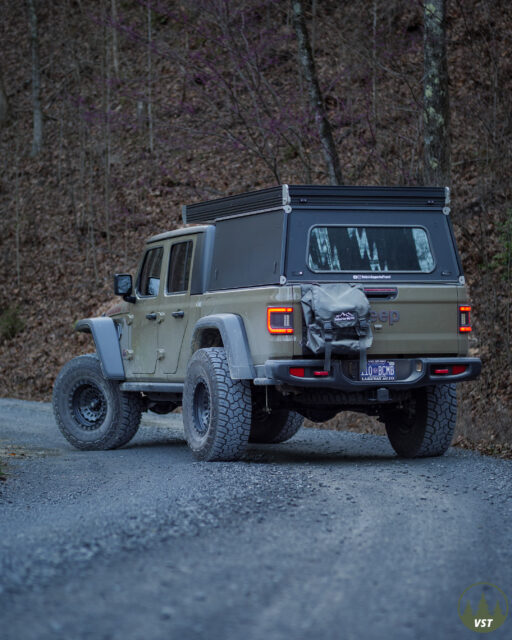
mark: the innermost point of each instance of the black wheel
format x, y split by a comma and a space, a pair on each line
216, 409
91, 412
274, 427
425, 428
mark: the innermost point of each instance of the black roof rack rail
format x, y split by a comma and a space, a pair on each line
288, 197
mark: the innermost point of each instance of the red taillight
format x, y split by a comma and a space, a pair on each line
298, 372
453, 370
321, 374
458, 368
464, 319
280, 319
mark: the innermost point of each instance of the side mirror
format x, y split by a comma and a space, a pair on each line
123, 286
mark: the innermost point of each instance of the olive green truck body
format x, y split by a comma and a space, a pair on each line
233, 283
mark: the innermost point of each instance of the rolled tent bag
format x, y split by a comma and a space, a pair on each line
337, 320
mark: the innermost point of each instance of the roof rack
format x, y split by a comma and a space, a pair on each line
287, 197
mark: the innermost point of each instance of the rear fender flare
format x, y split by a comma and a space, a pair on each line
234, 338
106, 339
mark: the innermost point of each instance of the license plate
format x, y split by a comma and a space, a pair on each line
379, 370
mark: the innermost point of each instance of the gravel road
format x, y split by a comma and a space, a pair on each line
326, 536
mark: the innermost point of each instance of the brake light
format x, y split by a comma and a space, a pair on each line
280, 319
464, 319
453, 370
458, 368
298, 372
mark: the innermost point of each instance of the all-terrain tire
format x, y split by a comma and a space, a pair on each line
426, 427
91, 411
216, 408
278, 426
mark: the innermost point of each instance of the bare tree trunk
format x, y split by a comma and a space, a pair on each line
4, 104
91, 230
106, 112
150, 108
313, 26
115, 55
308, 65
59, 158
436, 106
17, 207
37, 137
374, 66
107, 150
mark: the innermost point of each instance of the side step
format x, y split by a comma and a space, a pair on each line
153, 387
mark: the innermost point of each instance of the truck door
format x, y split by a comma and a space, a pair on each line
176, 304
146, 314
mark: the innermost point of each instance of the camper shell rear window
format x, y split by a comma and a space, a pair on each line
346, 245
369, 248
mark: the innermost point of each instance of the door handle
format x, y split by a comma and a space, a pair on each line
178, 314
151, 316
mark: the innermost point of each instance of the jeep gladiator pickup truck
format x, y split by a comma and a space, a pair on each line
280, 304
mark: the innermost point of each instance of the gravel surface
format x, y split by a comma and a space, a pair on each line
327, 536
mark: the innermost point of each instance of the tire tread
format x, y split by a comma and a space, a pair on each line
227, 439
431, 427
127, 407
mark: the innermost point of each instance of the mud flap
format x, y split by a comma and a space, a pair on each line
337, 320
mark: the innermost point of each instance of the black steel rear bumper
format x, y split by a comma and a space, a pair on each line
410, 373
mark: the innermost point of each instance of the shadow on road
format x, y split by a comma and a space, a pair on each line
153, 444
289, 453
297, 456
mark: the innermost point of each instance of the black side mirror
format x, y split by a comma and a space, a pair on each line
123, 286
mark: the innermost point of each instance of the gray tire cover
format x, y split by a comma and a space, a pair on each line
339, 312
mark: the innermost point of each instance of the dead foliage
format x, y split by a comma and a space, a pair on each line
213, 104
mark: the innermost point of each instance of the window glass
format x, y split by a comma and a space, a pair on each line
179, 267
369, 248
149, 281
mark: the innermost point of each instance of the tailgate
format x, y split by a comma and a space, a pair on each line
420, 320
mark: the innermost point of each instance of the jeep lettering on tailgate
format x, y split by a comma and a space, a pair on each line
387, 317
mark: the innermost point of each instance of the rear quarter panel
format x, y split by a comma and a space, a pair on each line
251, 304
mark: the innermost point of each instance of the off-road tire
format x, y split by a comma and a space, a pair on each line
426, 427
271, 428
216, 409
91, 411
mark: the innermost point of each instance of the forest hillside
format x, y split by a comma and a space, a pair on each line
148, 104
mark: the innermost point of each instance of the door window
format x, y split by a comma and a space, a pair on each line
149, 280
179, 267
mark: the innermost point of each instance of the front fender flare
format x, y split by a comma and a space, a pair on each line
106, 339
234, 338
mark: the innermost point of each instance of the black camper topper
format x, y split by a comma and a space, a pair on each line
261, 237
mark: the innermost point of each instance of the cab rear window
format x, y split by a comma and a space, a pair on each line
395, 249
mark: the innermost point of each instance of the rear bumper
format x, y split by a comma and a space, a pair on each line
410, 373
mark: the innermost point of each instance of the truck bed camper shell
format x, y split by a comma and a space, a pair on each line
264, 237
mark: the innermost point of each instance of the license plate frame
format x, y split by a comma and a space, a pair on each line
379, 371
